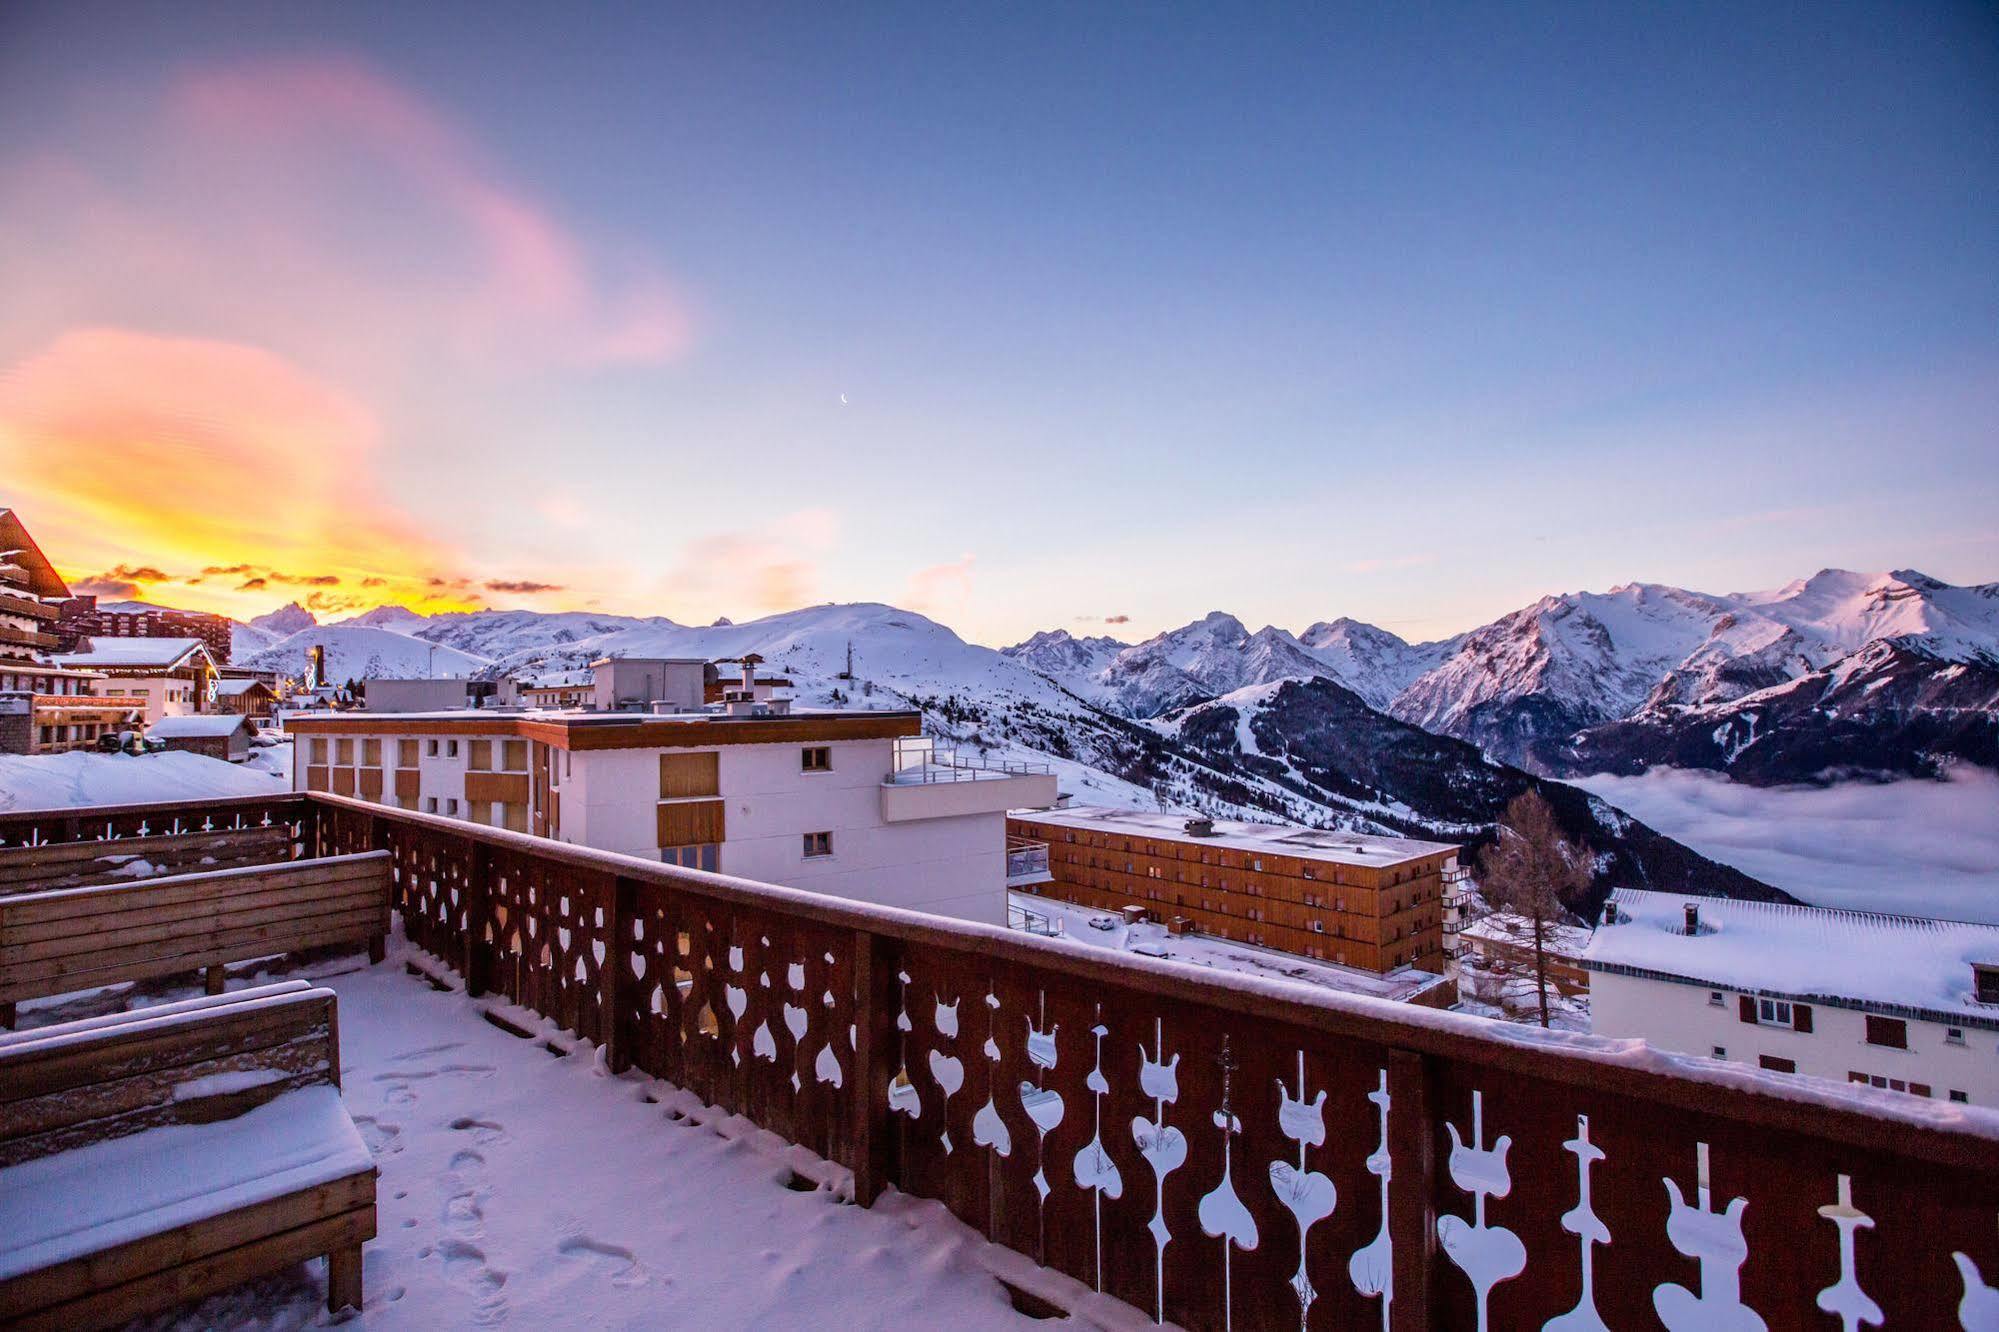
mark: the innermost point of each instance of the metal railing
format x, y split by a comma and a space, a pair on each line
1025, 860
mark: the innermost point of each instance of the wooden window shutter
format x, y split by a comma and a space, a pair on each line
683, 775
1801, 1017
479, 757
1746, 1005
690, 823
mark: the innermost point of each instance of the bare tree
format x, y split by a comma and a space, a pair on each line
1528, 871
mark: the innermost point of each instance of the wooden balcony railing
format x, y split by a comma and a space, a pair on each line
1214, 1149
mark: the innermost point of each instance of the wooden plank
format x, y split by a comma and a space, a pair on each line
38, 1070
875, 1006
271, 904
62, 903
233, 944
78, 1277
154, 1291
168, 1112
249, 846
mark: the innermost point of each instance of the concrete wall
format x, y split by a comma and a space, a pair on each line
953, 866
165, 695
415, 695
640, 682
1682, 1017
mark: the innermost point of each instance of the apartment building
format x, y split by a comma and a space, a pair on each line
1902, 1003
1357, 900
45, 708
855, 804
83, 617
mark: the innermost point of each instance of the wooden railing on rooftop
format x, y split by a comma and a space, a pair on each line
1216, 1150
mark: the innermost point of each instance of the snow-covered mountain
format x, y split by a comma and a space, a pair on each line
249, 637
1060, 655
399, 618
1528, 686
362, 652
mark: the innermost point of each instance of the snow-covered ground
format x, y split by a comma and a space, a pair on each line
1919, 847
57, 781
522, 1185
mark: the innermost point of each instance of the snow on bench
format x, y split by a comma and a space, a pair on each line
154, 1157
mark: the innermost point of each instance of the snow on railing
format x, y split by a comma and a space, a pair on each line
1221, 1150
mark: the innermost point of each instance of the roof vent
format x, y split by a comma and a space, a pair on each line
1199, 827
1693, 925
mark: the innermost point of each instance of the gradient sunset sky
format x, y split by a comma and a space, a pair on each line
1025, 317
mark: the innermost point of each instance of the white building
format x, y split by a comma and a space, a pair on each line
1897, 1002
854, 804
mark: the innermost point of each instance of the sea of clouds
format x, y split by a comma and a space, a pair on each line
1923, 847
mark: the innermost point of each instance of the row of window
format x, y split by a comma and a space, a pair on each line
480, 755
1249, 888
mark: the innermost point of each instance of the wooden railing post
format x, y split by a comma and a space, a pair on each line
476, 960
623, 896
1412, 1216
875, 1008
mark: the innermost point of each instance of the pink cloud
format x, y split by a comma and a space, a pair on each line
339, 117
316, 206
942, 587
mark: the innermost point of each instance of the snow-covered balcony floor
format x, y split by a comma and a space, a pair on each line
528, 1188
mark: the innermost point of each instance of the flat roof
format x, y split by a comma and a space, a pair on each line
1282, 839
577, 730
1206, 950
1821, 954
197, 724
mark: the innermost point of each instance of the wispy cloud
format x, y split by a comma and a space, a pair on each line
942, 587
770, 568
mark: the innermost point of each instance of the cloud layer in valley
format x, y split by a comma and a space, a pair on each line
1930, 848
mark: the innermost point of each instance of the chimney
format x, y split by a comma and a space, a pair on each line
1199, 827
1610, 913
1693, 918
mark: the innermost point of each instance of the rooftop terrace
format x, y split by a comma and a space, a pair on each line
1206, 1147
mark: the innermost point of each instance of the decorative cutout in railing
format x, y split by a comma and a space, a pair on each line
1216, 1152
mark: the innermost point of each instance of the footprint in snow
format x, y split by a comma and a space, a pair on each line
613, 1262
465, 1266
483, 1131
381, 1139
463, 1215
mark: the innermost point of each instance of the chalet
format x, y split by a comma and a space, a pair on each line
45, 708
246, 696
1903, 1003
222, 735
170, 674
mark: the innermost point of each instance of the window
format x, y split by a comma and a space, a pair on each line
1773, 1012
818, 844
1714, 999
451, 749
1987, 978
704, 856
479, 755
1718, 1052
1960, 1098
405, 753
1891, 1032
1776, 1064
513, 756
319, 749
816, 758
371, 752
451, 804
1953, 1035
430, 802
343, 752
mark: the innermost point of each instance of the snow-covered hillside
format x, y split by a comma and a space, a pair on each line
358, 652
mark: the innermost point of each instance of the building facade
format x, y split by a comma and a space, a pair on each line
821, 800
1900, 1003
219, 735
82, 617
170, 675
1349, 898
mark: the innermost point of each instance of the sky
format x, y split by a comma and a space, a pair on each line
1028, 317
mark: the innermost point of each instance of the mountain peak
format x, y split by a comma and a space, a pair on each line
286, 620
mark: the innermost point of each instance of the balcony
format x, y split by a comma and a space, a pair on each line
11, 636
1026, 863
1210, 1149
928, 781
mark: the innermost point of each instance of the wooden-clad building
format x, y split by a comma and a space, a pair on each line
1351, 898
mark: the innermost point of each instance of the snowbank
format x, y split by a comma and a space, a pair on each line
59, 781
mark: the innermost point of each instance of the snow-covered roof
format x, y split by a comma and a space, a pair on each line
202, 725
1277, 839
230, 688
156, 653
1559, 940
1852, 958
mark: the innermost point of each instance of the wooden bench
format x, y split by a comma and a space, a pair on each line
155, 1157
126, 859
78, 938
